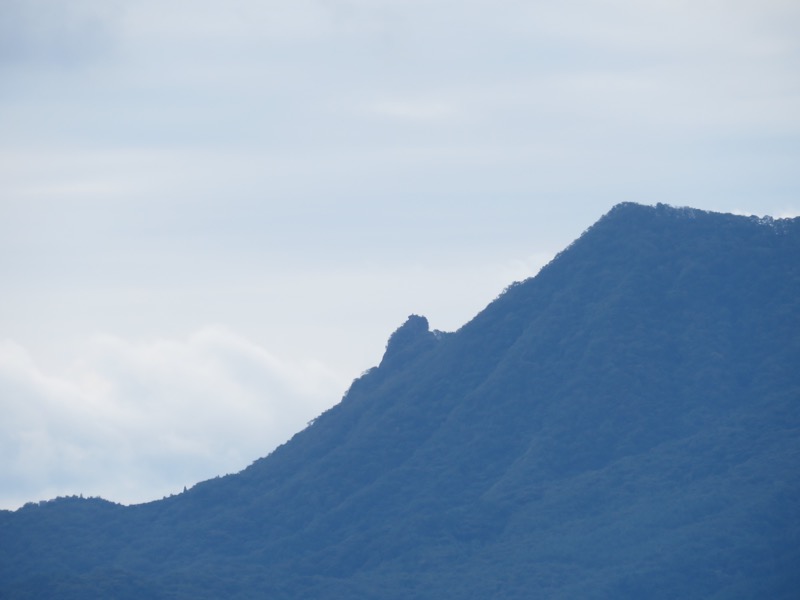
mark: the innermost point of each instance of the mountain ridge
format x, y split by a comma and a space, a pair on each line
647, 371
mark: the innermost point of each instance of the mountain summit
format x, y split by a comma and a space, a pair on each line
626, 424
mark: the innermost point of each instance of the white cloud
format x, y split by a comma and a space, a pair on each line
414, 110
133, 421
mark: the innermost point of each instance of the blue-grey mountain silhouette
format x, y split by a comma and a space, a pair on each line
626, 424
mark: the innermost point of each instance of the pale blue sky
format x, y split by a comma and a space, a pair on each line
213, 214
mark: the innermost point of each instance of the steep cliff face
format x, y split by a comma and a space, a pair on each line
623, 425
409, 341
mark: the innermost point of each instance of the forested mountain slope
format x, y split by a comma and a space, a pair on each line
626, 424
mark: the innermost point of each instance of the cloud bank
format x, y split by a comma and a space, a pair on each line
135, 421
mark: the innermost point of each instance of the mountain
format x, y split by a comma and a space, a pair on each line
626, 424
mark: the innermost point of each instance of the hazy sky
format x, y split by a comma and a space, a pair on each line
213, 214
